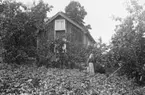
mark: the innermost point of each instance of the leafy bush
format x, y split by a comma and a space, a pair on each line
128, 44
73, 57
99, 69
31, 80
19, 27
17, 79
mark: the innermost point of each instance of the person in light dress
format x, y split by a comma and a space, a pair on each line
90, 68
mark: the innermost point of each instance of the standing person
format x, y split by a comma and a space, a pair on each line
90, 68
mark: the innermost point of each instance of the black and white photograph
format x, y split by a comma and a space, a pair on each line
72, 47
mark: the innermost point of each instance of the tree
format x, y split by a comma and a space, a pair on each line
39, 13
128, 43
18, 29
77, 13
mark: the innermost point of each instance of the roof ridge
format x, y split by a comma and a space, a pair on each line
71, 21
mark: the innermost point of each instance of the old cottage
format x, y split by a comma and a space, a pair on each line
60, 26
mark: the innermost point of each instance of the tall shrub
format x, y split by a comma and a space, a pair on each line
128, 43
18, 29
74, 57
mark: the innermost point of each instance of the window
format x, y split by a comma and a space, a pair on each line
60, 24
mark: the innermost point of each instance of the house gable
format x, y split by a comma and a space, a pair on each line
65, 17
61, 15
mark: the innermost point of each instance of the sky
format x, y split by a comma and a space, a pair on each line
99, 14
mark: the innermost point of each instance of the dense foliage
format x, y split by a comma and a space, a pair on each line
75, 55
128, 46
19, 26
75, 11
30, 80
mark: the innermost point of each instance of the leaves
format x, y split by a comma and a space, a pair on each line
128, 43
75, 11
41, 81
18, 29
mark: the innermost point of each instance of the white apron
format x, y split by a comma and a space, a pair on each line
91, 68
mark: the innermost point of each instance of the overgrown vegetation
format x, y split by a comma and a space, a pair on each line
19, 28
128, 43
30, 80
75, 55
75, 11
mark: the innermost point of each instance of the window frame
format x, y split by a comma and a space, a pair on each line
59, 22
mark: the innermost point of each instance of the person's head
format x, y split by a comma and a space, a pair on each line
91, 55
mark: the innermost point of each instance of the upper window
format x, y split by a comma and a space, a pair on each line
60, 24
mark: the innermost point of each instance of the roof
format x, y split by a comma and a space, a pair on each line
89, 35
74, 23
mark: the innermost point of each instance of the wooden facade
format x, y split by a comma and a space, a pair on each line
70, 30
